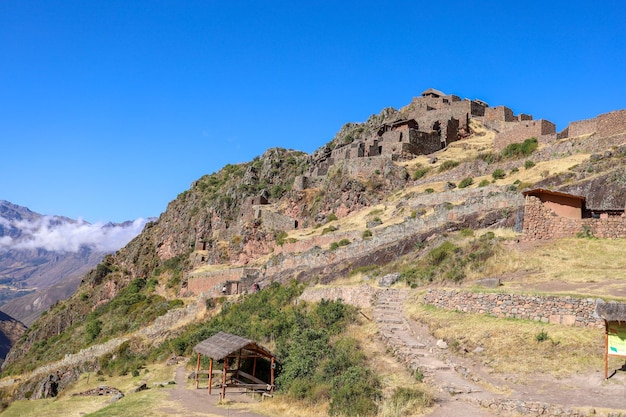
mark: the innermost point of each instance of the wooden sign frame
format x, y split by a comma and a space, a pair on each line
614, 342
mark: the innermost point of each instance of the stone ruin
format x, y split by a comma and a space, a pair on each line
435, 120
429, 123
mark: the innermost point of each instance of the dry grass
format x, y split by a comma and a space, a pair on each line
280, 406
141, 403
512, 346
573, 261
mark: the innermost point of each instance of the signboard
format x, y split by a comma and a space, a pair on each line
616, 338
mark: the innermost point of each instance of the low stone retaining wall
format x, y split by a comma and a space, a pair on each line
360, 296
546, 309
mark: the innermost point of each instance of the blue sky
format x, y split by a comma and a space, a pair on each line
110, 109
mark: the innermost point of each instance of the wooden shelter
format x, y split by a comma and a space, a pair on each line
232, 349
614, 315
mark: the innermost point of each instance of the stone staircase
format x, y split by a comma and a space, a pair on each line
462, 393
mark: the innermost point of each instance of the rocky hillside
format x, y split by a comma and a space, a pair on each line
278, 220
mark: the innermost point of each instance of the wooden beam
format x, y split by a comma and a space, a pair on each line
272, 366
606, 349
210, 374
197, 370
224, 377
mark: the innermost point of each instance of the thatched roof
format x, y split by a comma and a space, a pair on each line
223, 344
538, 191
611, 311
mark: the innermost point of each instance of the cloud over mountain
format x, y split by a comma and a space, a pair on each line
64, 235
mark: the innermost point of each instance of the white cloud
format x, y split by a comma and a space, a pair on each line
56, 234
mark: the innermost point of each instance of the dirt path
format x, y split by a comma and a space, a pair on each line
465, 389
198, 402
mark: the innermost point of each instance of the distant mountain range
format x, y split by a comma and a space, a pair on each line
43, 258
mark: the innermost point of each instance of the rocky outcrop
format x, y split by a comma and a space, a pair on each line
11, 330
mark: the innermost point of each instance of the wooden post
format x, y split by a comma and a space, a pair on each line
606, 349
197, 370
272, 366
210, 374
224, 377
254, 367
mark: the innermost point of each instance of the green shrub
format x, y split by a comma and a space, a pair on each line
331, 218
277, 191
328, 229
466, 182
484, 183
448, 165
366, 234
498, 174
92, 330
518, 150
585, 233
487, 157
429, 191
420, 172
441, 252
342, 242
355, 393
542, 336
529, 164
405, 400
280, 237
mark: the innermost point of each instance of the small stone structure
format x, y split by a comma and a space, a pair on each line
553, 214
236, 281
545, 309
543, 130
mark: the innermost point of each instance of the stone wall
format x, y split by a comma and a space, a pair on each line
612, 123
322, 259
543, 130
540, 222
271, 220
582, 127
360, 296
607, 124
211, 282
499, 113
366, 166
545, 309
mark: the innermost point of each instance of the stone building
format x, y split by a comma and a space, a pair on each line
553, 215
543, 130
